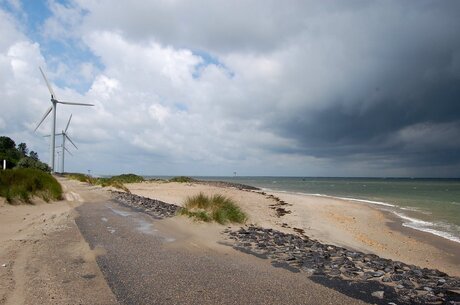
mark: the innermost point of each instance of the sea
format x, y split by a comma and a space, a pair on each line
428, 205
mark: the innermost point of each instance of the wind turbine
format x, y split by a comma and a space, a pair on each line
64, 137
54, 103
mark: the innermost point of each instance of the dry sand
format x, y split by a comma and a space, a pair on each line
43, 257
350, 224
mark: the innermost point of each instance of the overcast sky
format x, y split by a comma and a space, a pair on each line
301, 88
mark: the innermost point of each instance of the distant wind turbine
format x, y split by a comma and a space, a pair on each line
63, 148
54, 102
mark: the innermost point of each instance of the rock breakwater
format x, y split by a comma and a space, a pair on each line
365, 276
153, 207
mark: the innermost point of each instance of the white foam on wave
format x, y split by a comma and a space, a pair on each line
427, 226
352, 199
409, 222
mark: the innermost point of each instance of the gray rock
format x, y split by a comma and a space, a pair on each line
378, 294
378, 274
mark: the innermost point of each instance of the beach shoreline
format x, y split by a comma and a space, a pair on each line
355, 225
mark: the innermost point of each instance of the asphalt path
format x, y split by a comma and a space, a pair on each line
146, 261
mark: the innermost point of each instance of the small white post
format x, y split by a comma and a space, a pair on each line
4, 164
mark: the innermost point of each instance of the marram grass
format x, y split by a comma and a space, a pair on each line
214, 208
115, 181
21, 184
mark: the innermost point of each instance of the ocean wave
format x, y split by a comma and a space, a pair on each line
413, 209
439, 229
428, 227
353, 199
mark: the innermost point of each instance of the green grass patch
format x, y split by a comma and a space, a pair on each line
80, 177
21, 184
127, 178
215, 208
115, 181
181, 179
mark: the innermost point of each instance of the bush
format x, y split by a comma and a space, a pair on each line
28, 162
181, 179
80, 177
23, 183
218, 208
115, 181
127, 178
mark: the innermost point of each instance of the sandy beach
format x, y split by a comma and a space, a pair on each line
45, 257
344, 223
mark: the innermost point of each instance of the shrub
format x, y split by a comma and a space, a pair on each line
218, 208
181, 179
23, 183
80, 177
28, 162
127, 178
115, 181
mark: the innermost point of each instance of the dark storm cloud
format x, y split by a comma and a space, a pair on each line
402, 101
378, 128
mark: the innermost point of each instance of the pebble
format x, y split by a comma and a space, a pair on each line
378, 294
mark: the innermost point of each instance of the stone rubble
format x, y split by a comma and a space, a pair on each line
403, 283
153, 207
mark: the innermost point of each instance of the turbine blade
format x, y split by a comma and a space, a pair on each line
68, 151
71, 141
47, 83
44, 117
79, 104
65, 130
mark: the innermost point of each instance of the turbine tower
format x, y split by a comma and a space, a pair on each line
64, 137
54, 103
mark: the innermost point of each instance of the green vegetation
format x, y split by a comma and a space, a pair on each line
181, 179
115, 181
80, 177
26, 176
23, 183
217, 207
127, 178
19, 156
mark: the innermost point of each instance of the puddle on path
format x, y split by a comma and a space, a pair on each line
141, 225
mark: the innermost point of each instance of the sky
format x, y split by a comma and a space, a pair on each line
260, 87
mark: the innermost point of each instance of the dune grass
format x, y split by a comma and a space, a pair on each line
115, 181
216, 208
181, 179
21, 184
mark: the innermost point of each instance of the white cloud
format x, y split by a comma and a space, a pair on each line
159, 113
263, 66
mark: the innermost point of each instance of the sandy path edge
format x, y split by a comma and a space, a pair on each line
43, 257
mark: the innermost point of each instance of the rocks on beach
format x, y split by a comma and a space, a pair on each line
407, 283
278, 206
389, 281
153, 207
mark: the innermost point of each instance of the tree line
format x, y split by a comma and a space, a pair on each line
18, 156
